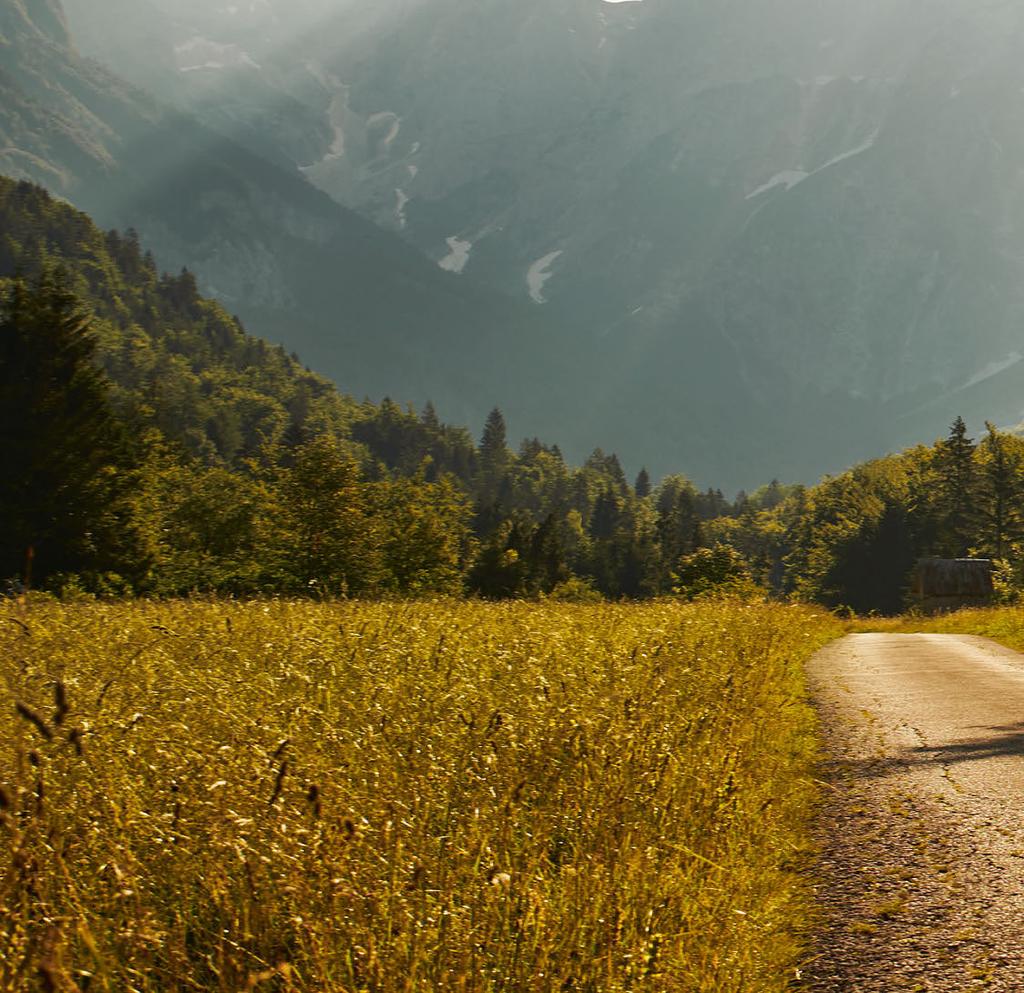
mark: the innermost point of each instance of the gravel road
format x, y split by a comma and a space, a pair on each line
921, 875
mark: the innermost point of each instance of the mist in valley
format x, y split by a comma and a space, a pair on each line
734, 223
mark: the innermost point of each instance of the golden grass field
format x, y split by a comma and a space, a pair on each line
1002, 624
347, 797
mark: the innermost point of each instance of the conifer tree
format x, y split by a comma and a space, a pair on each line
494, 453
606, 515
501, 570
642, 487
429, 417
678, 523
495, 458
64, 458
955, 465
546, 557
1000, 491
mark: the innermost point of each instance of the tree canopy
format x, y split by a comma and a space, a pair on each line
152, 445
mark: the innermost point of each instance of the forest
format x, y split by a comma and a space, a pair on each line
154, 448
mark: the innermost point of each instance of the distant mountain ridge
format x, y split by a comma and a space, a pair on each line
43, 16
356, 302
768, 233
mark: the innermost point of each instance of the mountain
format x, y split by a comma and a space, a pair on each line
359, 304
774, 236
221, 464
176, 362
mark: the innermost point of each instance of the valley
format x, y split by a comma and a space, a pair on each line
354, 301
738, 229
478, 476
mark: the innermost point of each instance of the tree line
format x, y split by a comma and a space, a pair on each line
154, 447
110, 492
854, 539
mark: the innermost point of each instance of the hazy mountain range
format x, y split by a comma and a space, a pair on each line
744, 239
358, 303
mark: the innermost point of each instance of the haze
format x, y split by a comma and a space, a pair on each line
760, 239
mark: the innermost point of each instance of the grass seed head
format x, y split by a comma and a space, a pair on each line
278, 783
60, 703
27, 714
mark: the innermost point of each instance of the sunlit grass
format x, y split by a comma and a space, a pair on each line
1002, 624
397, 797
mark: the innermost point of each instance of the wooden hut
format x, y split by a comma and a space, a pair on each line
940, 585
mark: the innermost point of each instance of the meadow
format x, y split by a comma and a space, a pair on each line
450, 796
1003, 624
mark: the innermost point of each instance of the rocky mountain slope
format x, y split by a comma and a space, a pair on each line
359, 305
774, 237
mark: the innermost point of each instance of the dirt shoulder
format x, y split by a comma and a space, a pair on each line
920, 882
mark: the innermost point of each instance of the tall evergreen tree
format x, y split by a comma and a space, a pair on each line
607, 514
546, 557
678, 521
494, 452
64, 457
501, 569
642, 486
1000, 492
712, 504
495, 458
955, 466
429, 418
608, 467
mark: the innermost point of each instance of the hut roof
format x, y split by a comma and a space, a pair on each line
954, 577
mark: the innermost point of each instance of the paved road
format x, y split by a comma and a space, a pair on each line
921, 876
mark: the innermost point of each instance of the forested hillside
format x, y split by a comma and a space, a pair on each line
853, 540
226, 465
365, 309
232, 467
774, 237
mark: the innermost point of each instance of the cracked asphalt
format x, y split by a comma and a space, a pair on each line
920, 877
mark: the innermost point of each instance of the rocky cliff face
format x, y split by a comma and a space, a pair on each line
43, 18
773, 235
359, 304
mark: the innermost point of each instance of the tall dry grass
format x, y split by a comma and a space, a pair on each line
1003, 624
398, 797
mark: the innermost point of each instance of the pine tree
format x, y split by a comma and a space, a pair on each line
494, 453
546, 557
429, 418
955, 465
608, 467
678, 522
64, 456
769, 497
642, 487
495, 457
712, 504
500, 570
607, 514
1000, 491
